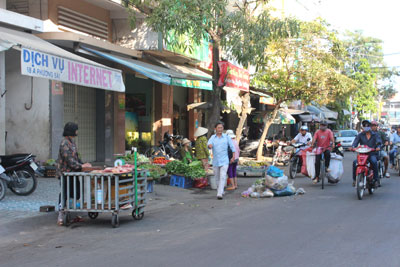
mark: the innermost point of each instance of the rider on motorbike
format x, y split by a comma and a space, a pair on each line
325, 140
368, 138
303, 137
385, 141
394, 139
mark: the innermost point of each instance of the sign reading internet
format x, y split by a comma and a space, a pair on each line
42, 65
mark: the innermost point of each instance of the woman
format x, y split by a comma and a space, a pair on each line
232, 175
69, 161
186, 151
202, 152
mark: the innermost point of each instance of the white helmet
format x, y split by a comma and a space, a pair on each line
304, 127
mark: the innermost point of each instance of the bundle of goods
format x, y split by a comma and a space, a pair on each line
336, 166
257, 190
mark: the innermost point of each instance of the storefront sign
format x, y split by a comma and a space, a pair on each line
266, 100
233, 76
198, 84
43, 65
57, 88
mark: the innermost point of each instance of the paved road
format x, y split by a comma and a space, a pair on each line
321, 228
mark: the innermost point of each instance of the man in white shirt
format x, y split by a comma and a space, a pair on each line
303, 137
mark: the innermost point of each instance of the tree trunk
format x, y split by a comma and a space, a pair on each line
215, 111
243, 115
264, 134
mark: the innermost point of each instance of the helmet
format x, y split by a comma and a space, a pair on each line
374, 123
324, 122
366, 123
304, 127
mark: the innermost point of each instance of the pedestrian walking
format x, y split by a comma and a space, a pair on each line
202, 152
219, 143
69, 161
232, 175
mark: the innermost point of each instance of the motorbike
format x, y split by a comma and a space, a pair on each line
282, 154
21, 173
296, 161
169, 147
4, 179
364, 172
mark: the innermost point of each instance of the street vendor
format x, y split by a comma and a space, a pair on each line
186, 151
202, 152
69, 161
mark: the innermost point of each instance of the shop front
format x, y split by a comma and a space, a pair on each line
48, 86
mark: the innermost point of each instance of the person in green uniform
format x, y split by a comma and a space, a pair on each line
186, 151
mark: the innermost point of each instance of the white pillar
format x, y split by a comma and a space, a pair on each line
2, 104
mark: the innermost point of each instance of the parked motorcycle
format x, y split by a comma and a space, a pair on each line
20, 169
4, 179
282, 154
364, 172
169, 147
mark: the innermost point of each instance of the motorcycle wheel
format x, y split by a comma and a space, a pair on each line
360, 185
322, 174
293, 167
371, 189
3, 189
25, 175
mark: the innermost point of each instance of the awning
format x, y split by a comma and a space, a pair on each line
264, 98
282, 117
295, 111
159, 74
316, 111
199, 105
45, 60
329, 114
309, 118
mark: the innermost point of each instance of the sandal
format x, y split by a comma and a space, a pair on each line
315, 180
60, 221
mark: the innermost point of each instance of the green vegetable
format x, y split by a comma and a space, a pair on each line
194, 170
177, 167
155, 171
140, 158
50, 162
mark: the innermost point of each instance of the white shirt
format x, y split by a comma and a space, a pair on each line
303, 139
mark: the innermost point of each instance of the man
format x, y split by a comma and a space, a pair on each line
368, 138
304, 137
384, 141
325, 141
394, 140
219, 143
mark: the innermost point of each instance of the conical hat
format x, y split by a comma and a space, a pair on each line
200, 131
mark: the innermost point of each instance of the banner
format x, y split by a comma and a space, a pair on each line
43, 65
233, 76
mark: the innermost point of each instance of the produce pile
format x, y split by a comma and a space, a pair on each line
155, 171
119, 169
141, 159
254, 164
160, 160
193, 170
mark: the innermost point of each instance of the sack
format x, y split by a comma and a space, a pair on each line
267, 193
310, 163
303, 155
336, 173
288, 191
274, 171
276, 183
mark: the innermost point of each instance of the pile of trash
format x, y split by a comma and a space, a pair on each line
275, 183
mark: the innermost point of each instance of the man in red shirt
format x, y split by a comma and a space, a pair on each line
324, 139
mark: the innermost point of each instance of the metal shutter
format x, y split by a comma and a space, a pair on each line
80, 107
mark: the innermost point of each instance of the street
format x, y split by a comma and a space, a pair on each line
328, 227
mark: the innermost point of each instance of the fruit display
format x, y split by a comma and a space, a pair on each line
160, 160
254, 164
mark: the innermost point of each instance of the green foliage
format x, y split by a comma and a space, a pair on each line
176, 167
155, 171
194, 170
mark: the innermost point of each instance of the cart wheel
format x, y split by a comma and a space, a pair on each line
66, 219
93, 215
115, 221
137, 217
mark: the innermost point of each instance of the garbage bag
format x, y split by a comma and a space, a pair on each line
288, 191
337, 170
255, 195
303, 155
276, 183
267, 193
274, 171
310, 162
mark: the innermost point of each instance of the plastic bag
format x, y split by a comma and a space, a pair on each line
267, 193
260, 188
336, 173
255, 195
303, 155
274, 171
276, 183
310, 163
288, 191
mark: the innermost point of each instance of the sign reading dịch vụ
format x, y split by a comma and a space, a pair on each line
43, 65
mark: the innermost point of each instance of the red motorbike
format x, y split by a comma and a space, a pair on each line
364, 172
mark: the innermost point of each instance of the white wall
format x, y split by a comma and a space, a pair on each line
2, 105
140, 38
28, 131
3, 4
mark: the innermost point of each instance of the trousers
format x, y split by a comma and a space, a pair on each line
327, 157
392, 154
220, 173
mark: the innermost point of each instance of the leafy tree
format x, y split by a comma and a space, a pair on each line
230, 25
306, 68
